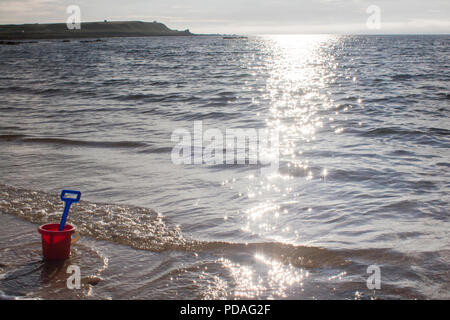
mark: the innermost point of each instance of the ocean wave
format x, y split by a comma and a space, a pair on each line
140, 228
76, 143
145, 229
390, 131
33, 90
11, 137
156, 150
149, 97
191, 116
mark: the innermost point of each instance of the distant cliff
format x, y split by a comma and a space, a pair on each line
88, 30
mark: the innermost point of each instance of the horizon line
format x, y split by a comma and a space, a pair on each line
246, 34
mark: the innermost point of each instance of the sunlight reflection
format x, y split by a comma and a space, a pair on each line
280, 276
248, 284
299, 70
269, 278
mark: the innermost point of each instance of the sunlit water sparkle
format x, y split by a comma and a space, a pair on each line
363, 173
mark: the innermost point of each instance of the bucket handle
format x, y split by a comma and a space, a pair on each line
75, 237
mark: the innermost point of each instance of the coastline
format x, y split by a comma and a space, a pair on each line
114, 29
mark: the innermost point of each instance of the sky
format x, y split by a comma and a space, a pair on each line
246, 16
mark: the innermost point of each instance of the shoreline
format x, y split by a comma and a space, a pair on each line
114, 29
102, 260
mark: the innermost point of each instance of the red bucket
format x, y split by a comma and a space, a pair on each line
55, 243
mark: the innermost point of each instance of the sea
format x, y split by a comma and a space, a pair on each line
356, 205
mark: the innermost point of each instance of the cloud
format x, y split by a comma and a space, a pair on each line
19, 11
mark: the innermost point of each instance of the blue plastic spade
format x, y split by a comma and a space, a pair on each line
68, 201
